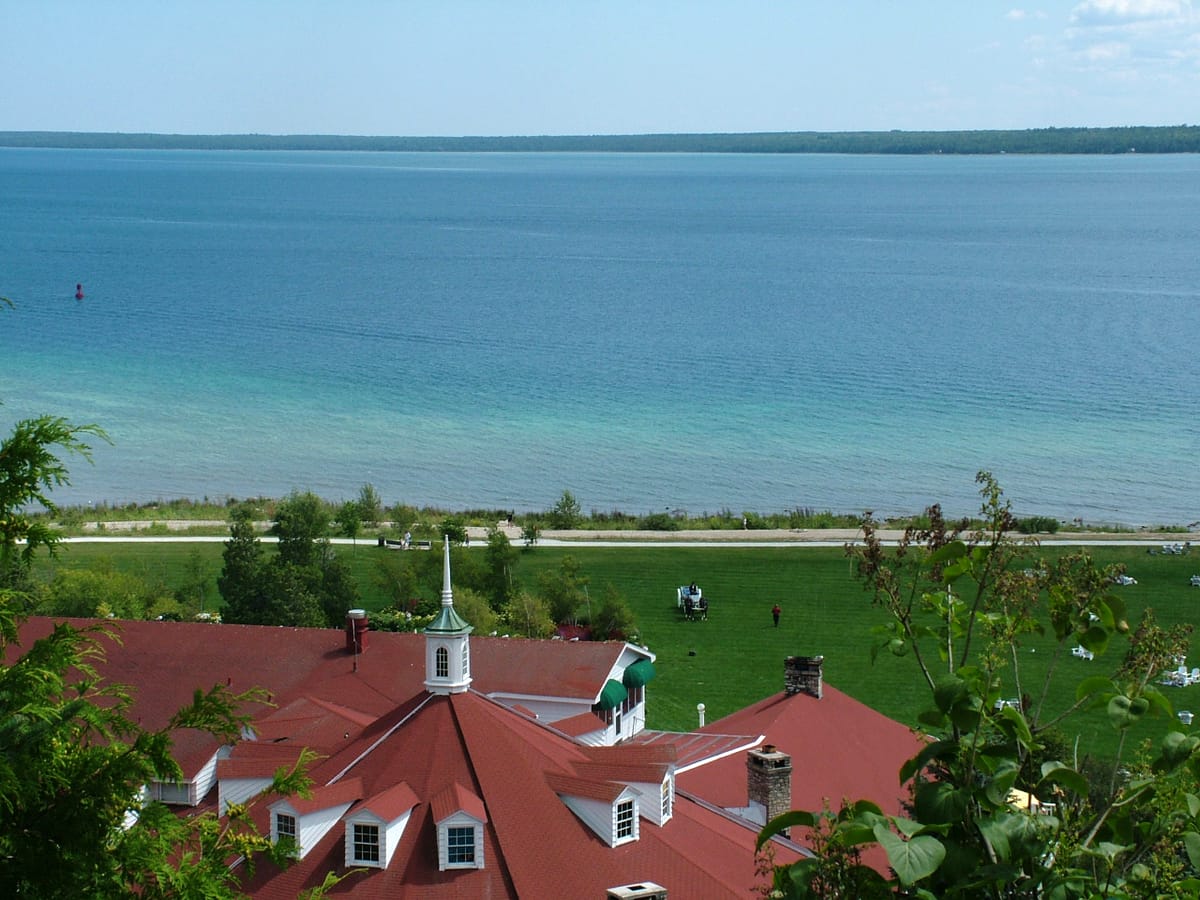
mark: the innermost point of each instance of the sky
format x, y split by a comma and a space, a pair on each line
533, 67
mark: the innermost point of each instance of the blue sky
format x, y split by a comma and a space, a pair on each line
504, 67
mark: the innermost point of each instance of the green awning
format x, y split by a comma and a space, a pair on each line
612, 696
639, 674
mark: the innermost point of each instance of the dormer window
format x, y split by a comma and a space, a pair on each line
366, 844
285, 826
626, 813
460, 846
460, 817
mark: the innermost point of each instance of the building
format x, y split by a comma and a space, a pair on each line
458, 766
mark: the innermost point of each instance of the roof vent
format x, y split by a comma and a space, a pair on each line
646, 890
357, 627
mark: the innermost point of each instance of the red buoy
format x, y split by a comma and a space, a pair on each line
79, 292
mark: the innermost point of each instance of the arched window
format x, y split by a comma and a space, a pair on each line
443, 662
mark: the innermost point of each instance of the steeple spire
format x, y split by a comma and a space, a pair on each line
447, 646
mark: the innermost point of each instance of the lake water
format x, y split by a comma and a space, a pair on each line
651, 332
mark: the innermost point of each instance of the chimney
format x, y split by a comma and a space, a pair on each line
802, 675
356, 631
769, 781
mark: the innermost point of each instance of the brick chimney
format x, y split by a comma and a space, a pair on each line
769, 781
357, 627
802, 675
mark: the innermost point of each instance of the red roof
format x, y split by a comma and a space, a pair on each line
390, 804
455, 799
840, 748
328, 797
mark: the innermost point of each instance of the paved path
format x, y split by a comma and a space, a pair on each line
781, 537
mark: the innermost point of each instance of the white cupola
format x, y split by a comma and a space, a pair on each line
447, 643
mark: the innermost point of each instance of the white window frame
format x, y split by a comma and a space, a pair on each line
625, 821
460, 840
360, 841
289, 831
442, 662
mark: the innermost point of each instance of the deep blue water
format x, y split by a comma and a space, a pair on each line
648, 331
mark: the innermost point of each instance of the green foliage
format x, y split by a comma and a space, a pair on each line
528, 615
305, 585
72, 768
564, 590
30, 468
499, 580
370, 506
1037, 525
530, 532
658, 522
611, 618
454, 529
566, 513
103, 592
960, 607
302, 526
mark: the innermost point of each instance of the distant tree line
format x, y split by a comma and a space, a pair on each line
1129, 139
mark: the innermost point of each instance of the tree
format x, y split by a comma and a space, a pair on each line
103, 592
370, 506
73, 764
564, 591
959, 605
454, 529
566, 513
30, 468
242, 579
528, 615
500, 558
350, 520
612, 619
302, 526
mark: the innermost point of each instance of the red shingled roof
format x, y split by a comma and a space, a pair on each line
419, 747
839, 748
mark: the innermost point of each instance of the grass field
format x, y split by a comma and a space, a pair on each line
736, 657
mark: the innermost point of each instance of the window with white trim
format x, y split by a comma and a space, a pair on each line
460, 846
366, 843
442, 663
625, 817
666, 799
466, 657
285, 826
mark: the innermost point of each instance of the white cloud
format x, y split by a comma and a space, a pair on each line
1015, 15
1106, 52
1123, 12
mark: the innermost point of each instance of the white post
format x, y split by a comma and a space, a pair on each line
700, 710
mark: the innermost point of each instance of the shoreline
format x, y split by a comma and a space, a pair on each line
125, 530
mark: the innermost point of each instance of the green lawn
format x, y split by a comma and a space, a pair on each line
736, 657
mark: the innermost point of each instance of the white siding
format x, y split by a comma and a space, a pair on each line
314, 826
389, 835
650, 796
601, 816
392, 835
458, 820
239, 790
204, 779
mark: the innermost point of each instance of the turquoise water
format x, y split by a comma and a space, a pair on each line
651, 332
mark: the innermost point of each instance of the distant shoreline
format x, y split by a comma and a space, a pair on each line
1032, 141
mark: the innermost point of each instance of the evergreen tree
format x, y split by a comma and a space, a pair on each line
241, 582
